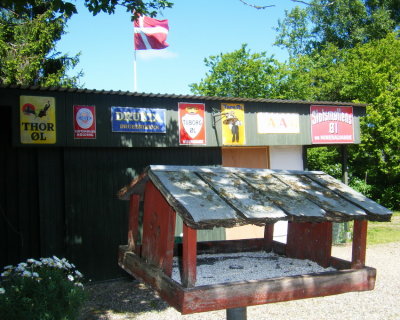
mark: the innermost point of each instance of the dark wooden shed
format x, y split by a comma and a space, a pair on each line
58, 179
209, 197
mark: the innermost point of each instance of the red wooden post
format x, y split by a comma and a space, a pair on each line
158, 230
268, 237
359, 244
189, 256
312, 241
133, 223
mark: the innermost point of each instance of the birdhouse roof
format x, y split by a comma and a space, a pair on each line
207, 197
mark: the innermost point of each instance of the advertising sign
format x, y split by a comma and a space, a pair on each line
192, 129
269, 122
37, 120
330, 124
233, 127
125, 119
84, 122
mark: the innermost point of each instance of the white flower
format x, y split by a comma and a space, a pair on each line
46, 261
6, 273
2, 291
70, 278
35, 275
8, 267
78, 274
21, 266
26, 274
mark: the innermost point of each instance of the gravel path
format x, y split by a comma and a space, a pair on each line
127, 299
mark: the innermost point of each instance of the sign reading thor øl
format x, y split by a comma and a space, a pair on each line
125, 119
37, 120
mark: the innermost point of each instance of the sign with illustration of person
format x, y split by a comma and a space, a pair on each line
233, 127
84, 122
331, 124
192, 129
37, 120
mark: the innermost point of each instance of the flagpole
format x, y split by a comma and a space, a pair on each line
134, 72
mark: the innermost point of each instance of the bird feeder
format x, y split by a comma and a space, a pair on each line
209, 197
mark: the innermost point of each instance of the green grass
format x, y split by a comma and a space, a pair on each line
384, 232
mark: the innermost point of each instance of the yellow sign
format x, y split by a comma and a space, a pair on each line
37, 120
233, 128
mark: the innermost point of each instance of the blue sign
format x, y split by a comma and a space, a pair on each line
125, 119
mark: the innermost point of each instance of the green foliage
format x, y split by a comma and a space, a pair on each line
49, 288
325, 159
390, 196
28, 48
294, 33
342, 23
141, 7
239, 74
361, 186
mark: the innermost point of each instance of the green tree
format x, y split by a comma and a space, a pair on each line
343, 23
27, 48
294, 33
239, 74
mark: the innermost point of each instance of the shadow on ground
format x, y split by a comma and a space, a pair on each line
123, 296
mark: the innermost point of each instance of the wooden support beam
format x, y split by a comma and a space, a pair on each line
359, 244
158, 230
307, 240
133, 223
268, 237
189, 257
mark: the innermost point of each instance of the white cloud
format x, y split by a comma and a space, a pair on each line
154, 54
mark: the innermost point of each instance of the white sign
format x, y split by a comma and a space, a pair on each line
269, 122
193, 123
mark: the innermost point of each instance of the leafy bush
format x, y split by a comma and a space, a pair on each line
49, 288
390, 197
361, 186
325, 159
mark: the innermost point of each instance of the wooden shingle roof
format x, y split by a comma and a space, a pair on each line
207, 197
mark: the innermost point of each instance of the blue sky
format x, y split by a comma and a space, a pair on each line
198, 29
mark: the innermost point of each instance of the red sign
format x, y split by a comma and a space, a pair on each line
331, 124
192, 128
84, 122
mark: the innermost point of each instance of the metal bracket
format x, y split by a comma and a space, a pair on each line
216, 113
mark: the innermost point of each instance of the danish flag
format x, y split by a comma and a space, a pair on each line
150, 33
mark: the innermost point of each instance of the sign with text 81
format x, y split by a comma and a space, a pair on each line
331, 124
